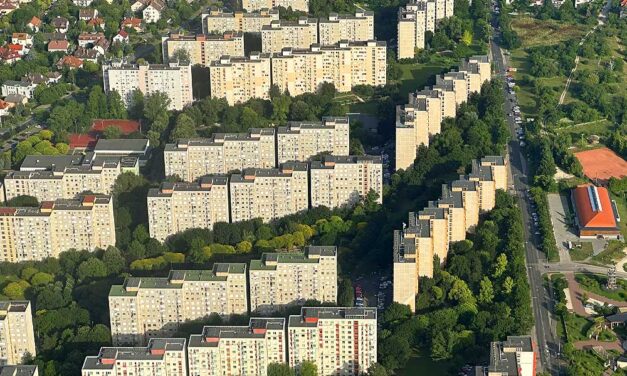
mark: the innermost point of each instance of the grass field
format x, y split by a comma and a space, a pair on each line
576, 326
420, 364
534, 32
581, 253
594, 283
417, 76
612, 253
599, 128
621, 204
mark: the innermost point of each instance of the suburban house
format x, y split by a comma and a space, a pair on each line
152, 12
34, 24
60, 24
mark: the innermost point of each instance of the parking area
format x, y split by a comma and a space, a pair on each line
563, 222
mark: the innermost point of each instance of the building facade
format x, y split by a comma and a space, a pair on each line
190, 159
238, 350
221, 21
299, 141
294, 34
145, 308
176, 207
162, 356
344, 180
339, 341
415, 19
31, 234
203, 49
339, 27
238, 79
280, 280
17, 337
174, 80
296, 5
269, 193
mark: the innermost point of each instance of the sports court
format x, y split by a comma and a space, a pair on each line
602, 164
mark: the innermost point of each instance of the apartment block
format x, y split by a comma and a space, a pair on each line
50, 177
514, 357
220, 21
145, 308
339, 341
430, 231
299, 141
35, 233
176, 207
415, 19
280, 280
16, 332
237, 350
344, 180
420, 119
297, 5
345, 64
238, 79
269, 193
190, 159
340, 27
19, 370
162, 356
293, 34
174, 80
202, 48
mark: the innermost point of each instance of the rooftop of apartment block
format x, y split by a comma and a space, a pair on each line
302, 21
156, 349
497, 160
256, 329
482, 173
403, 247
45, 208
253, 58
329, 161
336, 17
503, 354
217, 12
218, 139
310, 255
13, 306
285, 171
326, 123
450, 197
205, 183
310, 316
226, 36
19, 370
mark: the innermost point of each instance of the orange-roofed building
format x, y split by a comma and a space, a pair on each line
71, 62
597, 215
34, 23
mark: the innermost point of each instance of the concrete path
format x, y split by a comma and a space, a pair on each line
576, 295
588, 344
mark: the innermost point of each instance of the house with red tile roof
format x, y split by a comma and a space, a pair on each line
71, 62
8, 55
131, 23
6, 8
96, 22
121, 37
34, 24
58, 46
597, 215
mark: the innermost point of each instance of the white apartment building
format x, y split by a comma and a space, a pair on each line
190, 159
203, 49
50, 177
173, 79
31, 234
339, 341
296, 5
17, 338
346, 64
176, 207
237, 350
145, 308
344, 180
162, 357
280, 280
415, 19
293, 34
220, 21
299, 141
238, 79
339, 27
24, 88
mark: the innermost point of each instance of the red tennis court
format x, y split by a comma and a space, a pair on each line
602, 164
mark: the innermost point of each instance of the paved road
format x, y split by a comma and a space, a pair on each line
563, 267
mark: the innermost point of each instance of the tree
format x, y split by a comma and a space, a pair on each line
15, 290
377, 369
111, 133
22, 201
115, 105
308, 368
486, 291
396, 312
40, 279
113, 260
346, 296
279, 369
97, 104
185, 127
500, 265
91, 268
508, 285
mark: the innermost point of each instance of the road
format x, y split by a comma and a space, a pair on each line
544, 329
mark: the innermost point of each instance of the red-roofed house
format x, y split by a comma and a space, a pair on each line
8, 55
21, 50
596, 213
5, 107
34, 24
58, 46
132, 23
121, 37
96, 22
71, 62
6, 8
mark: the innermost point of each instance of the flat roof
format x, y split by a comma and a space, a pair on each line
310, 315
18, 370
256, 329
121, 144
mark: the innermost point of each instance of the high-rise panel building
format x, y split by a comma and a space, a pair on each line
202, 48
145, 308
344, 180
293, 34
174, 80
280, 280
238, 79
237, 350
269, 193
337, 340
176, 207
17, 337
339, 27
415, 19
299, 141
296, 5
162, 356
190, 159
35, 233
221, 21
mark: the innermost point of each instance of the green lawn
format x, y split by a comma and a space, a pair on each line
417, 76
599, 127
576, 326
612, 253
420, 364
621, 204
595, 284
534, 32
581, 251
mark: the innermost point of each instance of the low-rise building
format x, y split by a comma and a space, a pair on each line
514, 357
24, 88
596, 213
238, 79
237, 350
220, 21
16, 332
162, 356
339, 27
190, 159
337, 340
145, 308
281, 280
35, 233
299, 141
203, 49
175, 80
176, 207
293, 34
269, 193
345, 180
